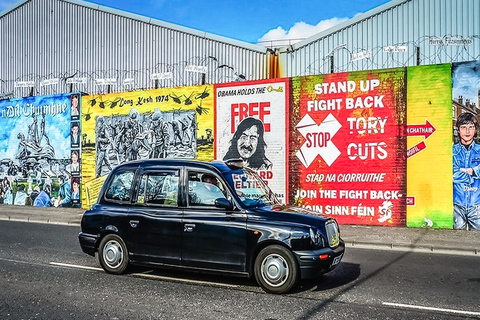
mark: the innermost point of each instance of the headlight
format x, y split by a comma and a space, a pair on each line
316, 237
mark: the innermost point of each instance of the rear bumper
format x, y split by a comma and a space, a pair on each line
312, 266
88, 243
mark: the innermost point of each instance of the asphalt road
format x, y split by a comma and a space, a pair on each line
44, 275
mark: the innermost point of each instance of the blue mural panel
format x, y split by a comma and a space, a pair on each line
40, 150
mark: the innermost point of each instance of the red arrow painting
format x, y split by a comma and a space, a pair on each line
425, 130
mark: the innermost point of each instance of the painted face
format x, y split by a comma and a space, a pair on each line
74, 158
467, 133
74, 131
74, 102
75, 187
247, 143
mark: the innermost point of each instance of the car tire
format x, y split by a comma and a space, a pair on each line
113, 254
276, 269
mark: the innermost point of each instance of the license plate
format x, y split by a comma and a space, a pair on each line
337, 260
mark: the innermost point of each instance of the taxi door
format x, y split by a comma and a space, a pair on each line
155, 220
213, 238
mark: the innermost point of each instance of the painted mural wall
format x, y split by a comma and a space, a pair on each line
251, 125
348, 146
393, 147
466, 149
160, 123
39, 153
429, 141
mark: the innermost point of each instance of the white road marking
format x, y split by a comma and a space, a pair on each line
75, 266
469, 313
149, 276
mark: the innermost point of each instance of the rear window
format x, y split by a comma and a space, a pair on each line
159, 188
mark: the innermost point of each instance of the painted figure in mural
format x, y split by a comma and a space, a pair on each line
131, 133
102, 144
20, 196
75, 192
7, 191
144, 141
75, 106
38, 172
179, 129
161, 135
248, 143
466, 174
75, 135
22, 152
188, 129
43, 199
209, 134
75, 165
117, 144
64, 194
36, 144
34, 194
33, 137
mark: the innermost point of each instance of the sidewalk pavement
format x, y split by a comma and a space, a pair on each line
458, 242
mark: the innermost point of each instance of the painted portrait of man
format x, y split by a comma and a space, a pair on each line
248, 143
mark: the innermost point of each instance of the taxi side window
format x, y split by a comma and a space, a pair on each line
120, 188
204, 188
159, 188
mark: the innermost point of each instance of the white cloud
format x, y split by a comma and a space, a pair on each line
280, 37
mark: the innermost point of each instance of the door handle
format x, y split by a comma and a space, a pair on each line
134, 223
188, 227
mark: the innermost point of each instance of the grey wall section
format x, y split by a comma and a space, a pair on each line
45, 39
407, 23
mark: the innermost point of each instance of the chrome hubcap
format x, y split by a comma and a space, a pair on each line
113, 254
274, 270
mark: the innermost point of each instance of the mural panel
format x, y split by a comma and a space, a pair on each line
251, 124
160, 123
348, 146
466, 149
39, 159
429, 152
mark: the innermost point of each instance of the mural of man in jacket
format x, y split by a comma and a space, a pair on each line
466, 174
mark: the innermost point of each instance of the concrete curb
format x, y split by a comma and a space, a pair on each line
37, 220
423, 248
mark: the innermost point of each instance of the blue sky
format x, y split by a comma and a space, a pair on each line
466, 81
248, 21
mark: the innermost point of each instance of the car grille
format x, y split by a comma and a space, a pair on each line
333, 234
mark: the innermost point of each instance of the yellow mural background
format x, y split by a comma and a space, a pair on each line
429, 172
197, 98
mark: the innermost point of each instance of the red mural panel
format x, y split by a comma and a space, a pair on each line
348, 146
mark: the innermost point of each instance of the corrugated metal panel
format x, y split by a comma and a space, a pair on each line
44, 39
406, 23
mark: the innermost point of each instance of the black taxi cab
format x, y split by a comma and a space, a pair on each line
206, 216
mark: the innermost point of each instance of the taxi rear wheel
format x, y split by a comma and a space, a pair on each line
113, 254
276, 269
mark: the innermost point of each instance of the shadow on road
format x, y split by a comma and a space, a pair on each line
314, 311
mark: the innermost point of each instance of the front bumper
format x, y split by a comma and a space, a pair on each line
88, 243
312, 266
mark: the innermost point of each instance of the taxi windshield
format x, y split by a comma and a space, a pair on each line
251, 189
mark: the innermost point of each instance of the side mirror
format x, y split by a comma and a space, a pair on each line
223, 203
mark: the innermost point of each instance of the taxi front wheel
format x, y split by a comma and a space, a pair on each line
276, 269
113, 254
